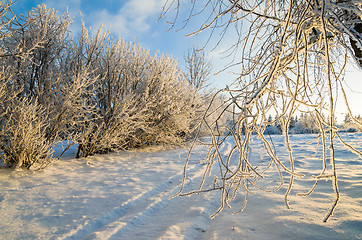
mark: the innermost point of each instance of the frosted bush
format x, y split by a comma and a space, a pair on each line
140, 99
44, 99
23, 137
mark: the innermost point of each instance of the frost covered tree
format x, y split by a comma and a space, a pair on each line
289, 57
306, 124
44, 99
23, 137
198, 68
139, 99
198, 74
349, 126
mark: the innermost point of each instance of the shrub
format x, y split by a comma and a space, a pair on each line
23, 136
141, 99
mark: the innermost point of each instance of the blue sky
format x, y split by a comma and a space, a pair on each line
131, 19
135, 20
139, 20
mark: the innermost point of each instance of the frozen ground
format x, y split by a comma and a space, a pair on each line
126, 196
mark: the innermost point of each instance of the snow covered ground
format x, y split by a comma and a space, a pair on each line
125, 195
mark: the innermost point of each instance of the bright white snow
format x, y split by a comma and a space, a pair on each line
125, 195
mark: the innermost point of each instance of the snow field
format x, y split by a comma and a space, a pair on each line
126, 195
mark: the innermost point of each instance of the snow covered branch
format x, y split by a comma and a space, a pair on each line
292, 55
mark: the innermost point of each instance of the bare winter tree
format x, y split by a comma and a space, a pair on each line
291, 56
198, 68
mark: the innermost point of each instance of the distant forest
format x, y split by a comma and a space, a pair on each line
306, 124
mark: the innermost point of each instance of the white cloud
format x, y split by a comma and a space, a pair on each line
116, 23
136, 16
73, 6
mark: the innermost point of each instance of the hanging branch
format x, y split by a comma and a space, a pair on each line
289, 51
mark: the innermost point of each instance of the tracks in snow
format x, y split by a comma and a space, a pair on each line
153, 208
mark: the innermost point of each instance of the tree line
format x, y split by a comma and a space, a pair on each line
305, 124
